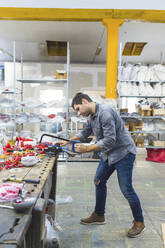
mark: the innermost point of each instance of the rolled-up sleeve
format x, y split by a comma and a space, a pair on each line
85, 133
109, 131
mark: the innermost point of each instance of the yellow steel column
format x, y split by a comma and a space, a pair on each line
112, 26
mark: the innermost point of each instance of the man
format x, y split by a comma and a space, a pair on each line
117, 153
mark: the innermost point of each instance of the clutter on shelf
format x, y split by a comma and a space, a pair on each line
138, 72
60, 74
147, 107
147, 124
140, 80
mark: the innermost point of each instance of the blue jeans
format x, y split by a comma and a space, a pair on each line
124, 169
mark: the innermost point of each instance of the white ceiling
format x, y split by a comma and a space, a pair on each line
86, 4
84, 38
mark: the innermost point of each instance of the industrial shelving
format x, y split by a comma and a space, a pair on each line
55, 81
139, 117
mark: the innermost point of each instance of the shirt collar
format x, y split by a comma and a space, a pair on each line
96, 111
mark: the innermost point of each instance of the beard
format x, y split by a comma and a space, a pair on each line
86, 113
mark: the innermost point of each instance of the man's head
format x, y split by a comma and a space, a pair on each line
81, 103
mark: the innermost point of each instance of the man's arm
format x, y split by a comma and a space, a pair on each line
84, 148
64, 143
80, 136
75, 137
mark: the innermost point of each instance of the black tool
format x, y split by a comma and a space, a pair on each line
73, 142
53, 150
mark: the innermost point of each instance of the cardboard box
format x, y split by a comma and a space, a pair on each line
60, 74
158, 143
138, 128
95, 93
158, 111
127, 126
132, 126
143, 107
145, 112
138, 140
123, 110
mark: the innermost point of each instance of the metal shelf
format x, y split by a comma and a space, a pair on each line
51, 80
155, 147
142, 96
30, 81
144, 81
7, 92
142, 117
155, 132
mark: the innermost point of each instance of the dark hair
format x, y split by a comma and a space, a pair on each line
77, 99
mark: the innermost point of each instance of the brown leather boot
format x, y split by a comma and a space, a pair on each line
94, 219
136, 229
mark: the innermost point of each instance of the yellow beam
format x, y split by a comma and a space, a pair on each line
140, 14
54, 14
112, 51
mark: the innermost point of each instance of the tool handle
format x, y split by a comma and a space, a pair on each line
73, 142
31, 181
13, 179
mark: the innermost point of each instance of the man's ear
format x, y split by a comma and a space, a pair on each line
84, 101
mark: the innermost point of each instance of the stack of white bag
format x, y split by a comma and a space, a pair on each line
138, 80
154, 73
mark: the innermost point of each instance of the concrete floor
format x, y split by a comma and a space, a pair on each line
75, 179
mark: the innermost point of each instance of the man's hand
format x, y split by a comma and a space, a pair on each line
80, 148
61, 143
86, 148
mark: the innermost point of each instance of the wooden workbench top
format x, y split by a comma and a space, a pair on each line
40, 171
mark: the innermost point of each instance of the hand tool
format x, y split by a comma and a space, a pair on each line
19, 180
54, 149
73, 142
21, 205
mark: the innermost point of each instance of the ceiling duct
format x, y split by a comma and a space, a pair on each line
56, 48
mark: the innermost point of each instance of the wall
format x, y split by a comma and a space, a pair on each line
93, 4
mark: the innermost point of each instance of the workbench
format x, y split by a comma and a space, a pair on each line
30, 231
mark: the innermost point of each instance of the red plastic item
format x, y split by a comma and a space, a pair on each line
9, 191
41, 146
155, 155
29, 154
8, 146
26, 147
51, 116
